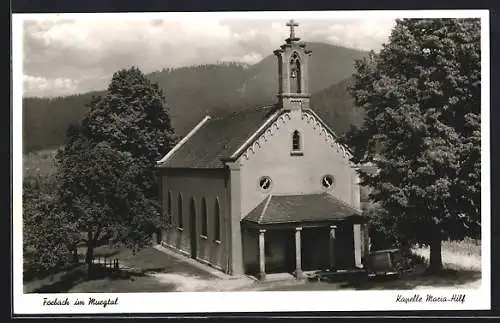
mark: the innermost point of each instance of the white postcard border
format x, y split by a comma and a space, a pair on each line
201, 302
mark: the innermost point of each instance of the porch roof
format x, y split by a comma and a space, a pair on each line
323, 207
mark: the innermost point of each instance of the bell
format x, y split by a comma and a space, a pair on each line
294, 73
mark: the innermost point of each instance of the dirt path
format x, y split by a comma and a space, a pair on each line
190, 283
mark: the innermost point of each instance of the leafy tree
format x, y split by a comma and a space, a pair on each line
131, 117
49, 238
101, 197
421, 95
107, 168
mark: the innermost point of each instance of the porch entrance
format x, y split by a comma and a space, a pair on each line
293, 233
320, 251
315, 248
279, 249
319, 248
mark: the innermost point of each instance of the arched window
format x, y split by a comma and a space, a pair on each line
296, 141
169, 207
295, 74
217, 235
204, 218
180, 220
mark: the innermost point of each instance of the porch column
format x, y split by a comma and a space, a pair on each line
365, 248
262, 255
298, 253
357, 245
332, 246
355, 191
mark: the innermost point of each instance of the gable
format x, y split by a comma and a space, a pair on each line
309, 121
271, 158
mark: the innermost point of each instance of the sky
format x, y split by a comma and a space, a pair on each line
68, 56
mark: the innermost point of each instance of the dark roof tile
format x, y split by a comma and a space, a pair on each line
218, 138
300, 208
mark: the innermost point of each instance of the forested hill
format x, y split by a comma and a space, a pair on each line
336, 107
192, 92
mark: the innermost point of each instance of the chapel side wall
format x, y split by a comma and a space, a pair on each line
295, 175
197, 184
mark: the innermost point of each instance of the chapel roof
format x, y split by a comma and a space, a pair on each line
276, 209
218, 138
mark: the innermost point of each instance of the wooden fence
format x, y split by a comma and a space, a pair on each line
107, 262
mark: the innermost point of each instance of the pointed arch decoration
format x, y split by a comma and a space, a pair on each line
217, 221
260, 142
323, 131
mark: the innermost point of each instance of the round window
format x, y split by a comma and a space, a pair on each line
265, 183
327, 181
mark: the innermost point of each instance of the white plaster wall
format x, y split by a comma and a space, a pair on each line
295, 174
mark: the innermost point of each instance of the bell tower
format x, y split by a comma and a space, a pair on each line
293, 91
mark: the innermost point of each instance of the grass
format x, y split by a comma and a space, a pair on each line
139, 278
37, 284
151, 260
462, 255
156, 271
171, 274
150, 265
102, 280
124, 282
462, 269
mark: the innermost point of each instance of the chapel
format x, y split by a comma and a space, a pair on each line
265, 190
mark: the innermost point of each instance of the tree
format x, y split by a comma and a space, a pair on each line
421, 95
49, 238
101, 198
107, 168
132, 117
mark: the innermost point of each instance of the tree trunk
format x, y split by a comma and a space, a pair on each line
90, 252
435, 259
75, 255
405, 247
90, 255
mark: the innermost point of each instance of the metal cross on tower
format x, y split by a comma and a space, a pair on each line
292, 24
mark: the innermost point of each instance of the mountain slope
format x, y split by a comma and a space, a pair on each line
336, 107
192, 92
45, 120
